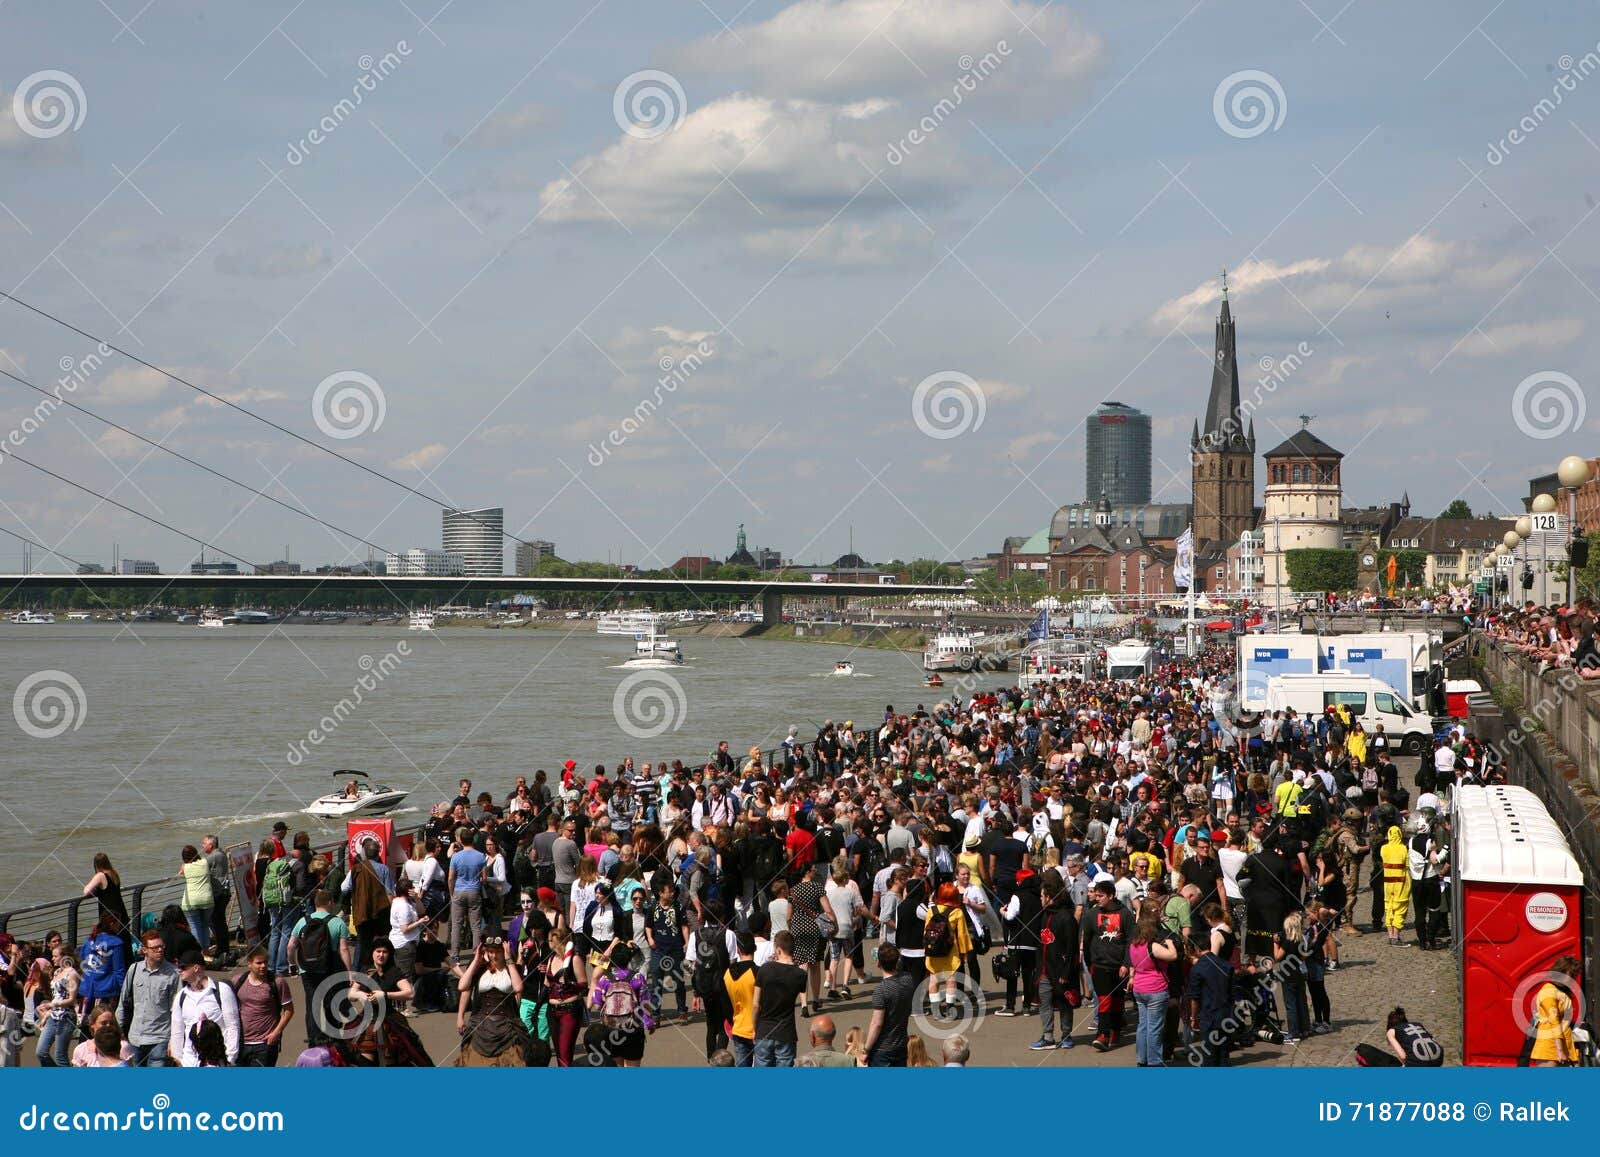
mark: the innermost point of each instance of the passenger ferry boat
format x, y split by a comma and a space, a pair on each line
421, 620
632, 623
951, 652
33, 618
653, 649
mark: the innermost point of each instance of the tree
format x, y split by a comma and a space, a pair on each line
1321, 570
1457, 509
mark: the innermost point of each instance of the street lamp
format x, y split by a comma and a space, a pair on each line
1573, 472
1545, 504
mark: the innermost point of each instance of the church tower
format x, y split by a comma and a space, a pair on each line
1222, 454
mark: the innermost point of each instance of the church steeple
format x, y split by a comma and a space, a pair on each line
1221, 430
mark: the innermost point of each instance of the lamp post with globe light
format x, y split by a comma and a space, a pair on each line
1510, 541
1573, 472
1544, 519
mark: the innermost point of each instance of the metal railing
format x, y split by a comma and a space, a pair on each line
75, 915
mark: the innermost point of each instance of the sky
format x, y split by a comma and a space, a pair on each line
640, 272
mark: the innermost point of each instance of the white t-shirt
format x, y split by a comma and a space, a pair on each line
1231, 860
1444, 759
401, 913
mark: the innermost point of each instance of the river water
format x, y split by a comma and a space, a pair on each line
178, 731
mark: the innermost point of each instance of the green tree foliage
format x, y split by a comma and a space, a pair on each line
1457, 509
1322, 570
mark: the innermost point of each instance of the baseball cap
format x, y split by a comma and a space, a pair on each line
190, 958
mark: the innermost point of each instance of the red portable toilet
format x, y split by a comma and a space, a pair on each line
1517, 907
1456, 692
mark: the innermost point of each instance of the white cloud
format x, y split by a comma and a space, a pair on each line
1422, 273
128, 384
510, 126
423, 458
843, 49
1021, 449
840, 244
1523, 336
274, 261
793, 159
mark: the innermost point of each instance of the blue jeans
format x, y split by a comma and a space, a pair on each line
1149, 1042
744, 1052
283, 919
667, 964
1296, 1019
199, 925
56, 1033
774, 1054
149, 1056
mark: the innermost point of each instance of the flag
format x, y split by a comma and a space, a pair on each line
1183, 566
1390, 569
1039, 630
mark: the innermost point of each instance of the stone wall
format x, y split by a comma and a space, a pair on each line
1547, 733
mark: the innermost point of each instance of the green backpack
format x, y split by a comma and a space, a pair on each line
278, 884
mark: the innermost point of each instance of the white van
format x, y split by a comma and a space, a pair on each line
1367, 699
1130, 660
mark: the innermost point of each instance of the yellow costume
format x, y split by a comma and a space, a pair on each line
1356, 744
1396, 880
1552, 1008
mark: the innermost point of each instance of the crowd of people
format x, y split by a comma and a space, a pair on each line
1133, 863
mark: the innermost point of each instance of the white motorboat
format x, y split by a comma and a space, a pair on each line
421, 620
79, 616
627, 623
653, 649
33, 618
214, 620
844, 667
359, 797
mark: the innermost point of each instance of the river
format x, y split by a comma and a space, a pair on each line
136, 740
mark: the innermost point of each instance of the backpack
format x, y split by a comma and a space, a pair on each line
621, 1007
237, 983
277, 886
768, 862
873, 860
317, 953
711, 960
938, 939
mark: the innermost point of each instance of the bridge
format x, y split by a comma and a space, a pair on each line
770, 594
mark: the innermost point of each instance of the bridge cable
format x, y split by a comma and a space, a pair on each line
300, 510
106, 498
282, 429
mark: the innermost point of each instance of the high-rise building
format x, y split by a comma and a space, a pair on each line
137, 566
1117, 455
422, 562
1223, 454
531, 554
478, 536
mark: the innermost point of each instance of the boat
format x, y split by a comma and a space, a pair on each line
654, 650
214, 620
78, 616
33, 618
627, 623
844, 667
421, 620
359, 797
253, 618
1058, 658
933, 680
950, 652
